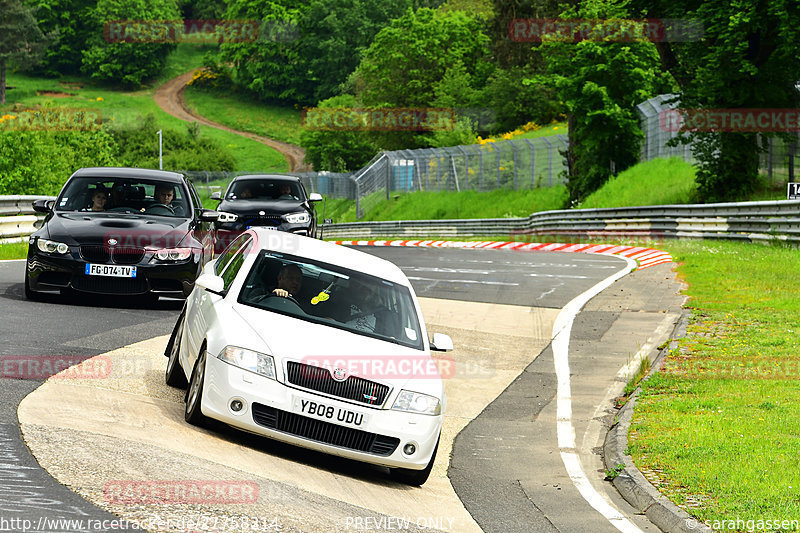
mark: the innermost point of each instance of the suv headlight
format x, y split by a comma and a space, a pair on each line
171, 254
258, 363
416, 402
297, 218
51, 247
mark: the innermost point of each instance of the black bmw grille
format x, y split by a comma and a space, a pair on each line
324, 432
127, 256
263, 220
95, 253
109, 285
320, 379
99, 253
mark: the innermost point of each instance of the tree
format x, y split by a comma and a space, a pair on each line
71, 20
270, 67
407, 59
128, 63
338, 151
600, 83
748, 57
333, 37
21, 41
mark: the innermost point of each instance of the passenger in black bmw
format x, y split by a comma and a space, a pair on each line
136, 246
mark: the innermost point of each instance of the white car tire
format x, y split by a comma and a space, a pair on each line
194, 395
174, 375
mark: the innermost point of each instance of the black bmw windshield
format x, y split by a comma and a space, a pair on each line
124, 195
334, 296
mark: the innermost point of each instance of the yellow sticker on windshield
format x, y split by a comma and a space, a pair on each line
321, 297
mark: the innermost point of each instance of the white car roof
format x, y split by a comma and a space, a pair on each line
289, 243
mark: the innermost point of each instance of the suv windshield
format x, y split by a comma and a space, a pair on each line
264, 189
124, 195
333, 296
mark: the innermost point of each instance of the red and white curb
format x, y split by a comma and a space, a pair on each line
644, 257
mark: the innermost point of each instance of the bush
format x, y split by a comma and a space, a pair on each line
181, 150
39, 162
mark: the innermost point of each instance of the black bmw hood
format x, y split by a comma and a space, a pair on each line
128, 229
254, 207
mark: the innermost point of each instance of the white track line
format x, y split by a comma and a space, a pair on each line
565, 430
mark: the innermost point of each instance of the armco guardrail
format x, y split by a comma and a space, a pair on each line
17, 217
753, 221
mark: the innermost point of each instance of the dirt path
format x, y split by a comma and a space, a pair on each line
169, 97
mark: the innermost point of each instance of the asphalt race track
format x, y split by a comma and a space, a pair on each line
506, 463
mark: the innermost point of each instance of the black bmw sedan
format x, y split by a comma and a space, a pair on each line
275, 201
121, 231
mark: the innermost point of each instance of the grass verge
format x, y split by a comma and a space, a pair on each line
501, 203
719, 426
243, 113
13, 250
655, 182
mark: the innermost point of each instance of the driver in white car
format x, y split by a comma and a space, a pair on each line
290, 280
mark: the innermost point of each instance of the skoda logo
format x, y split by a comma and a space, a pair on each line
339, 374
112, 242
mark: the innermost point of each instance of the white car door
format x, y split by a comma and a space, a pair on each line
200, 312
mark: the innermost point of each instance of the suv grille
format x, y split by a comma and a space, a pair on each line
324, 432
320, 380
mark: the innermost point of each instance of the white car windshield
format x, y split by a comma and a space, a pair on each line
334, 296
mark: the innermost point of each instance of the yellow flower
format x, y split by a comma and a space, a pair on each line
99, 98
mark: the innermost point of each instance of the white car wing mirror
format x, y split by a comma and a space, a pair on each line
441, 342
211, 283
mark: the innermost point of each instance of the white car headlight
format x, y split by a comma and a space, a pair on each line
52, 247
416, 402
258, 363
297, 218
172, 254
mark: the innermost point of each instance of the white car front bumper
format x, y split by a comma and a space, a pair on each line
277, 411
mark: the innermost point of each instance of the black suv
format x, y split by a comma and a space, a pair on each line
276, 201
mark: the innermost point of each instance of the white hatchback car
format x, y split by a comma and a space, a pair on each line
314, 344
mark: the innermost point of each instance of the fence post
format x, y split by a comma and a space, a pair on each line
533, 152
549, 161
514, 147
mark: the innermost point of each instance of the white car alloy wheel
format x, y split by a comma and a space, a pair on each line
194, 396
